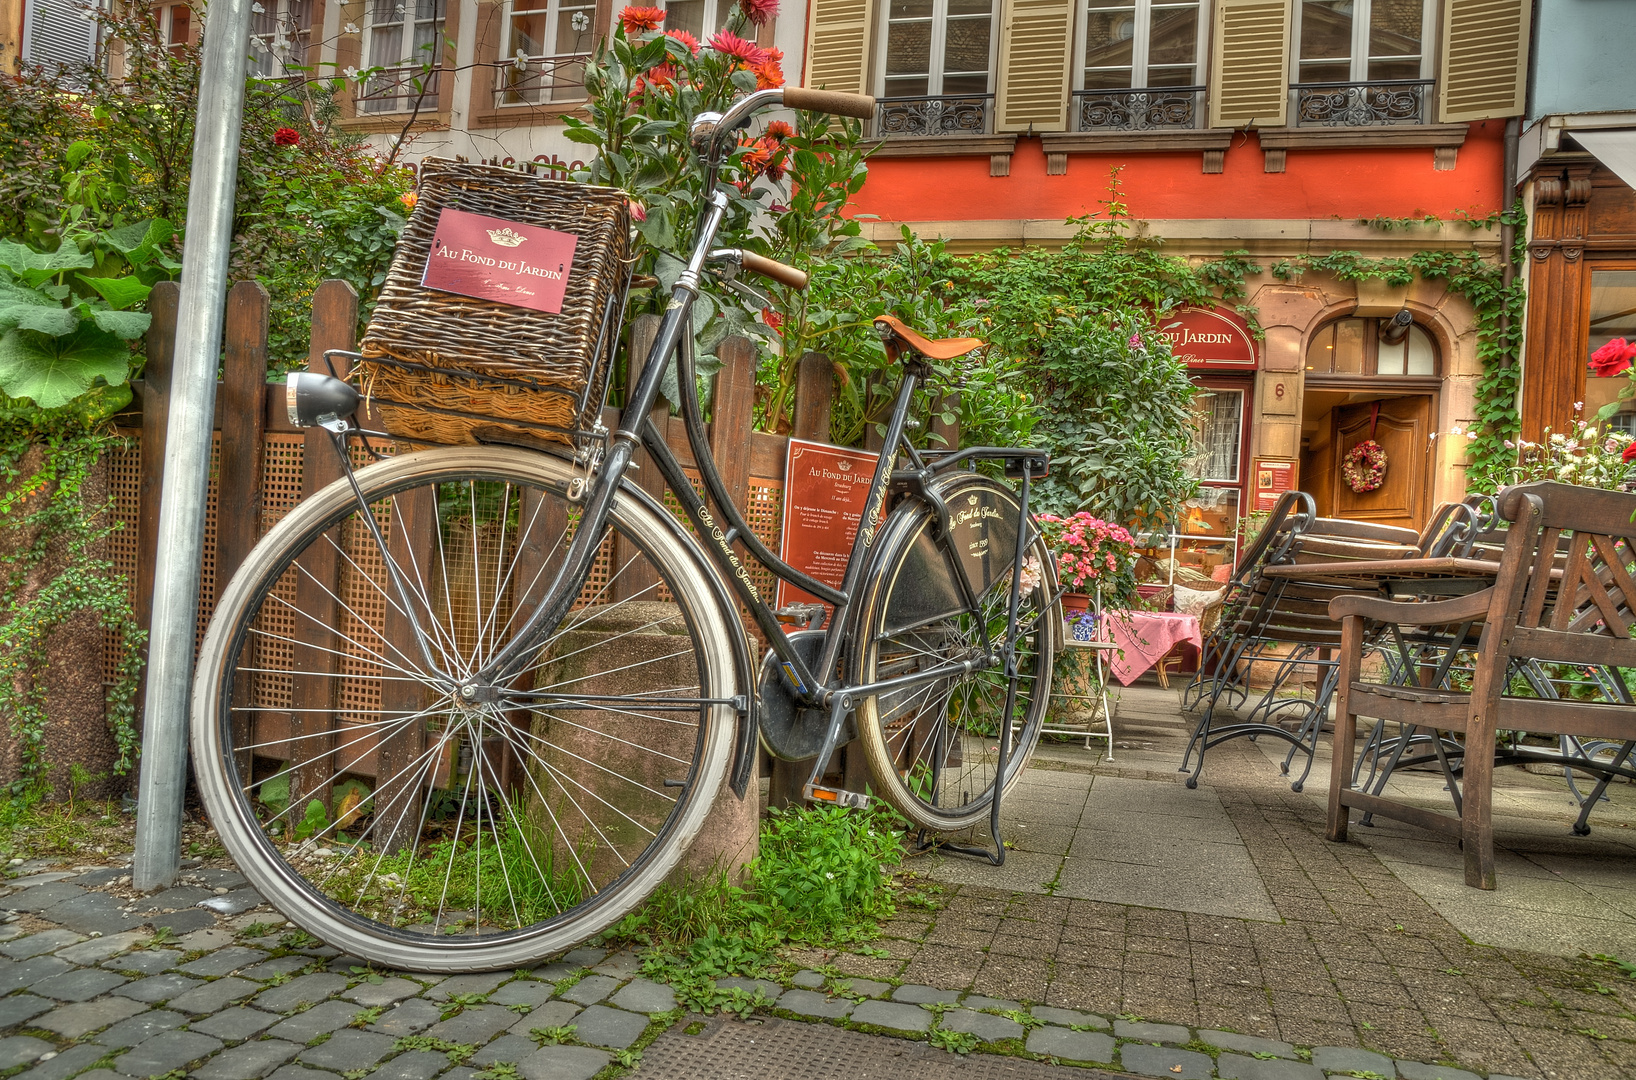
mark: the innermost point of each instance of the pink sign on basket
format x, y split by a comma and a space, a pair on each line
505, 261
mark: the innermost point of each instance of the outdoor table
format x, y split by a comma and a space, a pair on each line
1448, 576
1144, 637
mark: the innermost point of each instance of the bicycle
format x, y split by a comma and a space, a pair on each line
548, 675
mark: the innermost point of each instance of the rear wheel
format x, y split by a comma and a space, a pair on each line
933, 749
375, 805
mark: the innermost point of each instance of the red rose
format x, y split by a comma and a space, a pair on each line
290, 137
1630, 452
1612, 358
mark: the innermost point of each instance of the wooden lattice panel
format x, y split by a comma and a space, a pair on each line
125, 491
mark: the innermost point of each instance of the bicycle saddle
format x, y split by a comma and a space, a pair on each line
899, 336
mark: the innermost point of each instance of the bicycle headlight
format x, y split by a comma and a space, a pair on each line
315, 400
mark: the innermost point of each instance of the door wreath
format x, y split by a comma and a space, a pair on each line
1364, 467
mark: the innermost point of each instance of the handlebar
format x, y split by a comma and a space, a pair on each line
772, 268
861, 106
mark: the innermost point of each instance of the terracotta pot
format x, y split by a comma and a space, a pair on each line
1075, 602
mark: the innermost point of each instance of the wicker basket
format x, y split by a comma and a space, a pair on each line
436, 365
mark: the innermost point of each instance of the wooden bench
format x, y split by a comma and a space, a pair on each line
1564, 594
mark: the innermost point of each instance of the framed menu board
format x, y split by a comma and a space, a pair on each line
825, 489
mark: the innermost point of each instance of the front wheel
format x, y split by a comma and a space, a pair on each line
411, 820
933, 749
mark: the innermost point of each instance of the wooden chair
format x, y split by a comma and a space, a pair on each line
1564, 595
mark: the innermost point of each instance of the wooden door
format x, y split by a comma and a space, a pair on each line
1402, 427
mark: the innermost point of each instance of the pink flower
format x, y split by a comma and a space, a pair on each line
685, 38
638, 211
1136, 341
730, 44
760, 12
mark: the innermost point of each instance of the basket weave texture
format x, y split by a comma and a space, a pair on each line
462, 346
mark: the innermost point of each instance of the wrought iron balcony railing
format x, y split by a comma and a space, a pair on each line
1168, 108
950, 114
540, 80
1381, 103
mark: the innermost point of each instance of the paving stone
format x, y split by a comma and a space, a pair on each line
27, 881
475, 1024
319, 1020
234, 903
550, 1015
983, 1001
239, 1022
247, 1061
213, 995
224, 961
809, 1003
1239, 1067
158, 988
183, 922
348, 1050
80, 984
584, 956
41, 897
409, 1018
589, 990
145, 961
614, 1028
644, 996
219, 879
386, 992
865, 987
140, 1028
103, 1074
530, 992
621, 965
301, 1072
18, 974
808, 980
272, 969
418, 1065
103, 875
1165, 1061
99, 949
93, 913
769, 989
507, 1048
1151, 1033
175, 898
892, 1014
22, 1049
1418, 1070
66, 1063
200, 940
1247, 1044
461, 1072
1351, 1059
554, 972
166, 1051
1065, 1017
1070, 1045
305, 989
985, 1026
563, 1063
484, 982
913, 994
82, 1018
45, 941
19, 1007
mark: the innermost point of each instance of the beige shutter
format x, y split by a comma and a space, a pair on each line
1484, 60
1249, 64
838, 46
1033, 78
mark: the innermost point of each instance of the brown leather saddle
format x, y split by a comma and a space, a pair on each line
898, 338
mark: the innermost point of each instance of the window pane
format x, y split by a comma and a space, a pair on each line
909, 49
1109, 38
1394, 27
911, 9
1613, 306
686, 15
1108, 79
1218, 417
1175, 37
570, 40
1171, 76
1326, 29
970, 7
1321, 353
1323, 73
1394, 69
1422, 354
965, 47
913, 86
527, 35
1349, 346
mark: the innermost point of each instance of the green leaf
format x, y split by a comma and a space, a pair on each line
45, 319
589, 136
36, 267
126, 324
120, 292
52, 371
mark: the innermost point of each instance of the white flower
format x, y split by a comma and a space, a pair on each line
1578, 405
829, 875
1558, 439
1455, 430
352, 28
580, 21
351, 73
520, 61
1509, 445
258, 9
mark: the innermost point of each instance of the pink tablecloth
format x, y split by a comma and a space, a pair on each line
1143, 637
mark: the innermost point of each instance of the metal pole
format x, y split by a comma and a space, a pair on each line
187, 443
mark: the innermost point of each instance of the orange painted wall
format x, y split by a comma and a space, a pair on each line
1317, 184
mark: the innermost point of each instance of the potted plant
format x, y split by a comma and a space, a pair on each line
1093, 556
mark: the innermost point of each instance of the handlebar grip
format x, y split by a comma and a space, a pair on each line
861, 106
772, 268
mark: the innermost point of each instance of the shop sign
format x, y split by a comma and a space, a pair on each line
1210, 338
1272, 479
825, 488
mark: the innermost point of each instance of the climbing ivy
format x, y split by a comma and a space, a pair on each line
46, 514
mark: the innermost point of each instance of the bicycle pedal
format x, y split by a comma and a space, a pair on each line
835, 796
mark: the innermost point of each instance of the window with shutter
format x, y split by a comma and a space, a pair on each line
1485, 60
838, 45
58, 33
1249, 76
1033, 77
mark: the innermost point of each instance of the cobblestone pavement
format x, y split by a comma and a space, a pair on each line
1331, 965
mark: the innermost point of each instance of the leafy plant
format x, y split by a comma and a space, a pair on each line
456, 1052
822, 867
551, 1036
955, 1042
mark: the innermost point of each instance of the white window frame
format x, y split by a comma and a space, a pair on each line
286, 46
404, 102
1361, 12
553, 50
939, 35
1140, 42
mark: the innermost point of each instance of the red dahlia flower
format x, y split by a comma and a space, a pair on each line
778, 131
1612, 358
730, 44
685, 38
638, 19
759, 12
291, 137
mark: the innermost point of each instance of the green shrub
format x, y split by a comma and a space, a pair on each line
824, 869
